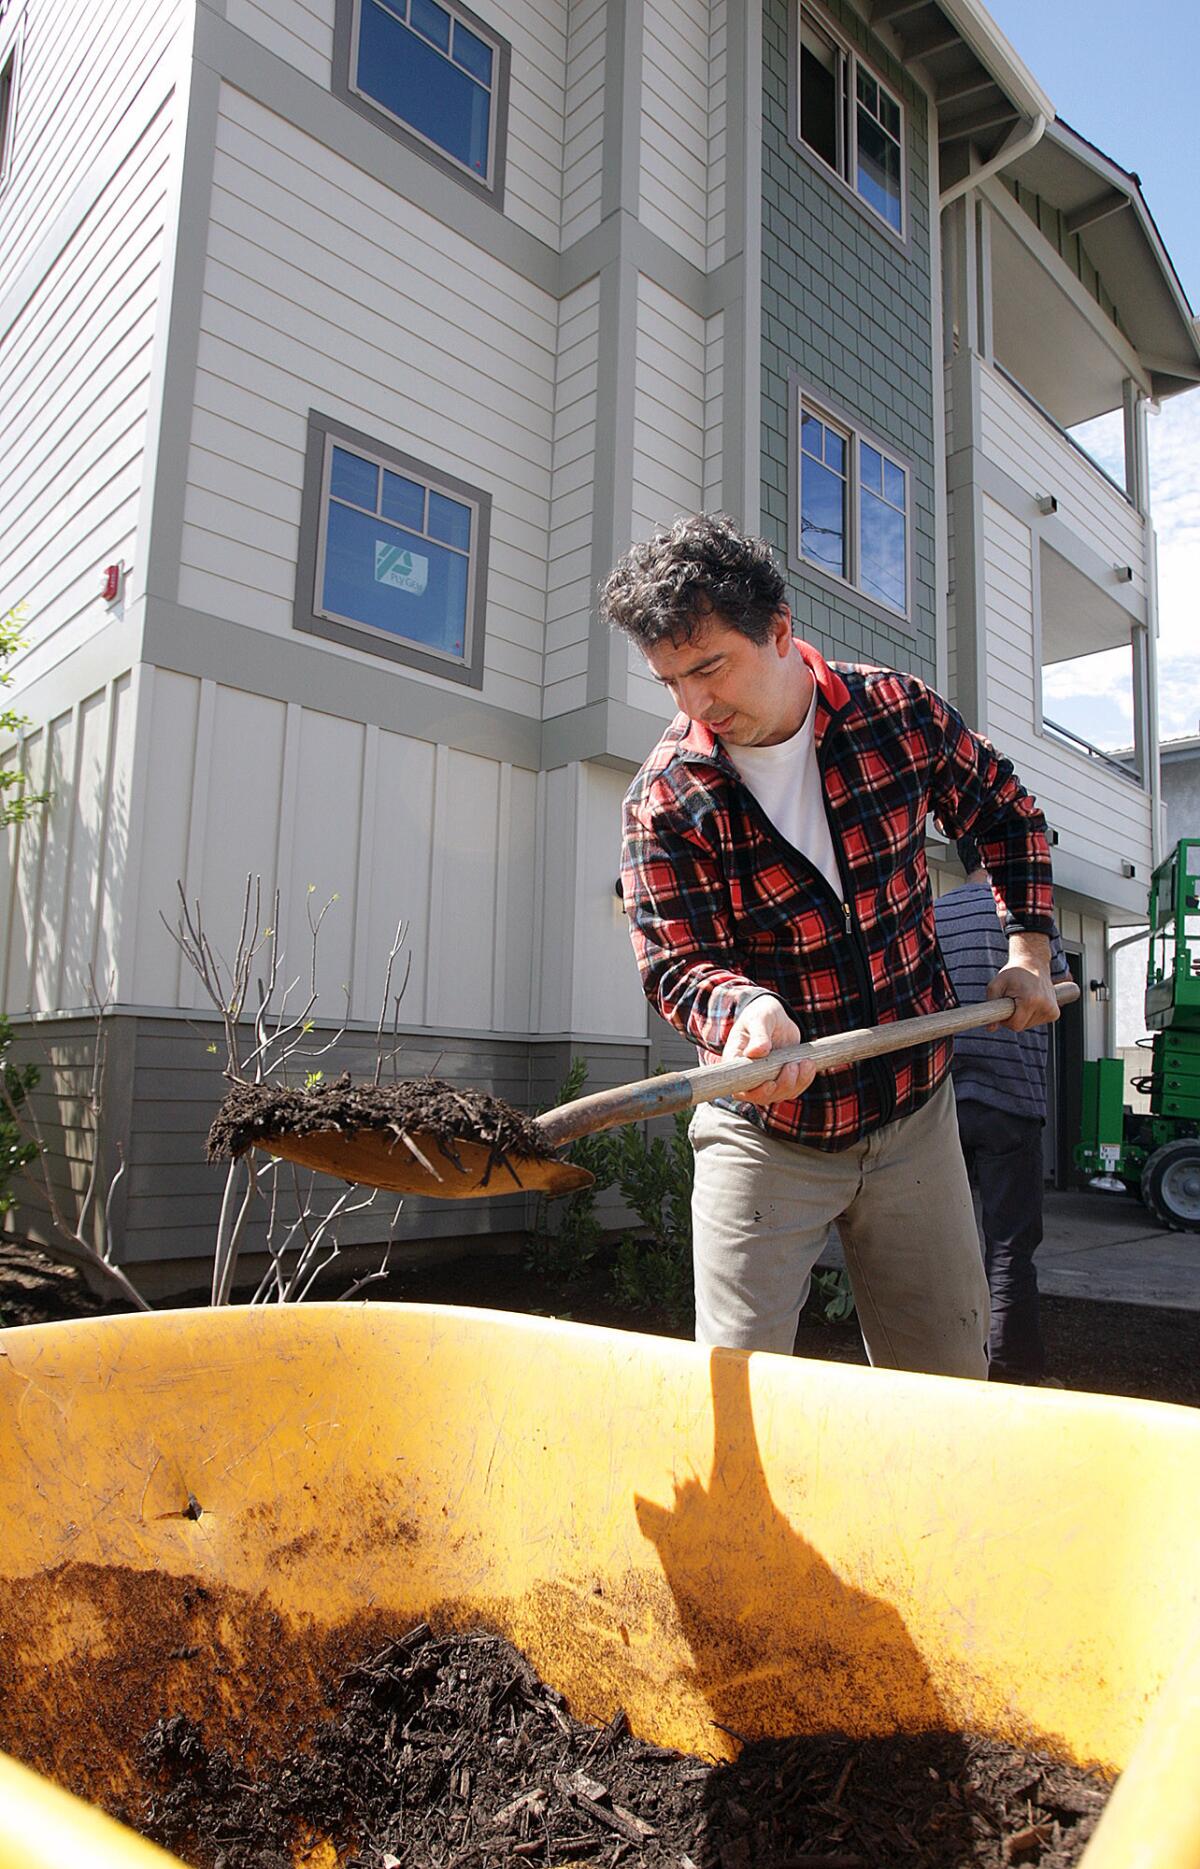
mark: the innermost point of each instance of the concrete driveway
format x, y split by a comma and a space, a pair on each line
1100, 1245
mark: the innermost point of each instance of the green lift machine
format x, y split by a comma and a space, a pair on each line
1156, 1152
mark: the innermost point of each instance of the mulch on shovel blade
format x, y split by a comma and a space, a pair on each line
255, 1113
450, 1751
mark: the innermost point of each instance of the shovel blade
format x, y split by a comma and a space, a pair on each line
376, 1159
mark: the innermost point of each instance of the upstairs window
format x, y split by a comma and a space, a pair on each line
434, 75
853, 505
398, 563
850, 120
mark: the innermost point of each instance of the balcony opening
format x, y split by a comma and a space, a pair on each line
1102, 439
1056, 357
1089, 685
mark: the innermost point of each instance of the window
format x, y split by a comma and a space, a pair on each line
851, 121
853, 508
434, 75
396, 555
824, 464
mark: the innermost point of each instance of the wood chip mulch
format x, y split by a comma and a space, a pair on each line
450, 1751
254, 1113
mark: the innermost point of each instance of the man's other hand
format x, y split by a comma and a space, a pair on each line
1027, 980
760, 1030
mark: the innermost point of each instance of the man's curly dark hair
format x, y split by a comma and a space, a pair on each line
667, 587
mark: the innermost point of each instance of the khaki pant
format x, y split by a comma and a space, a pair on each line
761, 1213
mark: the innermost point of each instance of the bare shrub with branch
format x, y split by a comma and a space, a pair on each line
76, 1242
269, 1034
268, 1031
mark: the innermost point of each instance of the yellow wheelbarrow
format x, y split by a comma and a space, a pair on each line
215, 1512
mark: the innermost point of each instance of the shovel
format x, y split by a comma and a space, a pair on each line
375, 1158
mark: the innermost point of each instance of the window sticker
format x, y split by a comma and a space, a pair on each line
403, 570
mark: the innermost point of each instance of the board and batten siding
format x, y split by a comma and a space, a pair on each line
569, 595
62, 872
583, 143
396, 828
301, 33
1042, 461
325, 289
1097, 814
75, 369
675, 367
585, 978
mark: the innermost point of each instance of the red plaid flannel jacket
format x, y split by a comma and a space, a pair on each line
723, 909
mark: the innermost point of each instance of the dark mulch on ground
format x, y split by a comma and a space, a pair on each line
449, 1751
1106, 1349
254, 1113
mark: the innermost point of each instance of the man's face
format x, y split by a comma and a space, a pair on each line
749, 694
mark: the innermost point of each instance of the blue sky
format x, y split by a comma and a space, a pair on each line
1126, 78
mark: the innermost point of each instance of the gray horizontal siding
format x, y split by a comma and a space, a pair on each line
164, 1086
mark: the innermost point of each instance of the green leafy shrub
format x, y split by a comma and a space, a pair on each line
835, 1299
653, 1268
566, 1234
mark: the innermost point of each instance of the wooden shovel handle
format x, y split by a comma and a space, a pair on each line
681, 1090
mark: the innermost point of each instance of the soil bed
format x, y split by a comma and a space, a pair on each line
450, 1750
1107, 1349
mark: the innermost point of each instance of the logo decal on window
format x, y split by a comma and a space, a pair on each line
406, 571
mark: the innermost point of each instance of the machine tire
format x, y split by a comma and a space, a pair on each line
1171, 1184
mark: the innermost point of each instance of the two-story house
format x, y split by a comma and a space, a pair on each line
345, 343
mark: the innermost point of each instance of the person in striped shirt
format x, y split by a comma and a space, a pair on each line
1000, 1099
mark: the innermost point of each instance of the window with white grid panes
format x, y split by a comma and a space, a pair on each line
852, 508
849, 119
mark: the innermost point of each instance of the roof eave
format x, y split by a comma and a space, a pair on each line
979, 30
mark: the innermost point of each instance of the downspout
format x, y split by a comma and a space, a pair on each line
1009, 153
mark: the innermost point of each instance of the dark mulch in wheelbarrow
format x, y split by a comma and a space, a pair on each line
449, 1751
254, 1113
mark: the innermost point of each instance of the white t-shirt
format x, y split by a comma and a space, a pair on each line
786, 781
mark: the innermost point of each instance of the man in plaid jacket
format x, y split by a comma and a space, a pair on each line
774, 875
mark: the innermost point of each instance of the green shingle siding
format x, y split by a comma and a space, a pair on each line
849, 312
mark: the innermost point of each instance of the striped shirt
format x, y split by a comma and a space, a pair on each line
1004, 1069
